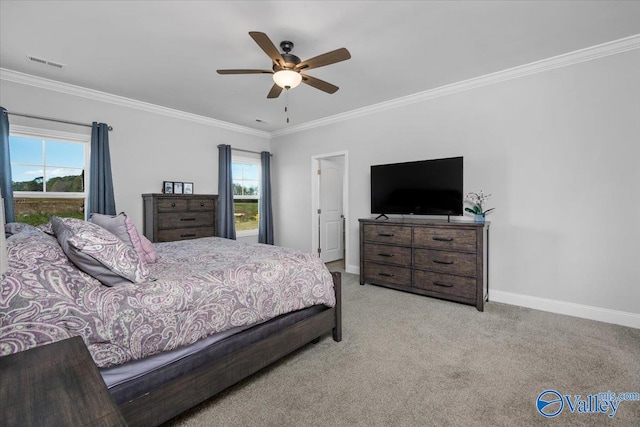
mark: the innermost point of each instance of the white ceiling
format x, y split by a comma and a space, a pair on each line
166, 52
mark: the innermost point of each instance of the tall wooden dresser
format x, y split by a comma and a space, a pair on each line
169, 217
440, 259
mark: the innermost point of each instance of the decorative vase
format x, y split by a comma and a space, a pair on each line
479, 218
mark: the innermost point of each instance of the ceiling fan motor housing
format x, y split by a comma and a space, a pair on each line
290, 60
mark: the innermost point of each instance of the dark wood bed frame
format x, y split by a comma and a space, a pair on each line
166, 402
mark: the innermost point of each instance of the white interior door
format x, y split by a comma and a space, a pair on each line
330, 210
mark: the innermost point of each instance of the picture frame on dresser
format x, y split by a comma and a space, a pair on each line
187, 187
167, 187
177, 188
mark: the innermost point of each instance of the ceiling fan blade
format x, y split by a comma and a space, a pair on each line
275, 91
267, 45
245, 72
328, 58
319, 84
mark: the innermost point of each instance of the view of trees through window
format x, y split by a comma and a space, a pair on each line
48, 178
73, 184
246, 192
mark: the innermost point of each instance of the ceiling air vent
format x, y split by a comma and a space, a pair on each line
55, 64
39, 60
45, 62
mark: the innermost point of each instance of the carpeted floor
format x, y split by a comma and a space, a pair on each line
408, 360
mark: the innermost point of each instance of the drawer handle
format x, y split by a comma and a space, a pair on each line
386, 234
444, 285
385, 274
173, 205
187, 219
385, 255
188, 235
442, 239
201, 204
437, 261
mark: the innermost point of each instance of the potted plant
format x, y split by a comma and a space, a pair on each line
477, 201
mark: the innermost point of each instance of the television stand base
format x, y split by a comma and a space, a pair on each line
382, 215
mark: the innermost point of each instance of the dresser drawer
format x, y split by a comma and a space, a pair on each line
459, 263
201, 205
397, 234
184, 233
397, 255
172, 204
445, 238
184, 219
380, 273
463, 287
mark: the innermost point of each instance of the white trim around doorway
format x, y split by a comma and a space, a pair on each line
345, 202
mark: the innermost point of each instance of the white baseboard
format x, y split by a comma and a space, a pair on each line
606, 315
617, 317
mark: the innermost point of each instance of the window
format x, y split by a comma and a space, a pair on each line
48, 174
246, 192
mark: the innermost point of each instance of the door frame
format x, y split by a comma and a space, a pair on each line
315, 196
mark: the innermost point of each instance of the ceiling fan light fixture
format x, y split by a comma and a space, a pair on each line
287, 68
287, 79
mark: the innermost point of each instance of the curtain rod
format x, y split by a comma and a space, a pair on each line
245, 151
53, 120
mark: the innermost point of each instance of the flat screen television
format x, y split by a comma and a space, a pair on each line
427, 187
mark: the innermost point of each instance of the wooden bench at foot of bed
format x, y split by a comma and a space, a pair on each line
174, 397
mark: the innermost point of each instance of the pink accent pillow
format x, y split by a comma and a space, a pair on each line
142, 245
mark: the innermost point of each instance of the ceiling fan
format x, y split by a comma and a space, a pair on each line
287, 68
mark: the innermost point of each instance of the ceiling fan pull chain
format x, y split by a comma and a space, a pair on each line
286, 103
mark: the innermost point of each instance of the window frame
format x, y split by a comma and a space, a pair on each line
258, 163
57, 136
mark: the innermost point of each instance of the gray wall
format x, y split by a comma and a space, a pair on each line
558, 150
146, 148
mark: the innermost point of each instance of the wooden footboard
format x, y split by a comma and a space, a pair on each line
170, 400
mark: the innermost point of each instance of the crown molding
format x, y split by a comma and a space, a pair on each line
69, 89
564, 60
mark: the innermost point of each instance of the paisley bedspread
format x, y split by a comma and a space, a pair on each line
198, 287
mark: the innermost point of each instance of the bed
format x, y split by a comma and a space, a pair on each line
209, 313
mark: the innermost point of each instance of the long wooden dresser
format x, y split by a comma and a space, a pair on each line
169, 217
440, 259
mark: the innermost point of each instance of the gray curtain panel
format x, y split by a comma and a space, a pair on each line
101, 198
6, 184
226, 221
265, 221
